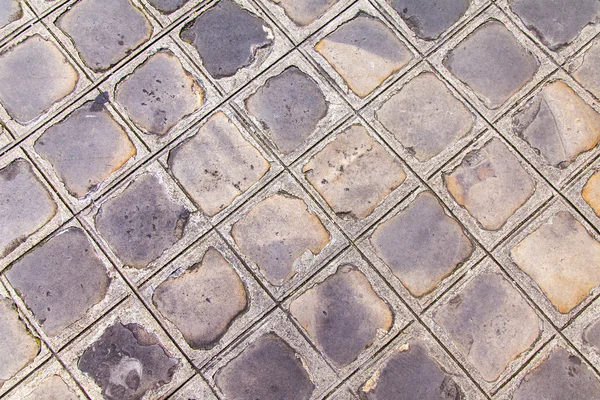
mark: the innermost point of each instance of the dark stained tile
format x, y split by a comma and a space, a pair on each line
591, 335
40, 278
343, 314
492, 63
268, 369
421, 245
167, 6
227, 38
430, 18
305, 12
126, 362
289, 106
142, 221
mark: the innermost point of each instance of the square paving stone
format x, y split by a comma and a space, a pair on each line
422, 245
492, 63
558, 124
18, 347
305, 12
276, 233
227, 37
160, 93
53, 388
40, 278
489, 323
10, 11
217, 164
561, 376
25, 205
430, 18
27, 90
343, 314
142, 222
425, 117
85, 148
591, 192
556, 23
364, 52
491, 184
105, 31
268, 369
586, 69
562, 258
289, 107
167, 6
354, 173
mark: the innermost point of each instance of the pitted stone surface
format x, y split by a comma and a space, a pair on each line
27, 90
268, 369
591, 192
10, 11
343, 306
167, 6
17, 347
39, 277
159, 93
411, 374
305, 12
563, 259
490, 323
127, 361
491, 184
492, 63
559, 124
85, 148
227, 37
289, 106
104, 32
588, 73
25, 205
365, 53
276, 233
217, 164
556, 23
142, 221
591, 335
561, 376
53, 388
354, 173
425, 117
203, 301
421, 245
430, 18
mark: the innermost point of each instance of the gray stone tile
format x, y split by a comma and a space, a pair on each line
10, 11
429, 19
105, 32
591, 335
53, 388
586, 69
167, 6
305, 12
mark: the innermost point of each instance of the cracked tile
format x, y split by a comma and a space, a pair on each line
591, 193
354, 173
10, 11
429, 18
587, 70
305, 12
53, 388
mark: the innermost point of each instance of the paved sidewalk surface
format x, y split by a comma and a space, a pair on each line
300, 199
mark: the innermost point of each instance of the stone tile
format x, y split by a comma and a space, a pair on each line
160, 93
268, 369
364, 52
85, 148
425, 117
591, 335
422, 245
354, 173
53, 388
586, 70
17, 347
26, 88
105, 32
556, 24
562, 376
276, 233
56, 302
343, 314
217, 164
492, 63
558, 124
142, 222
491, 184
127, 361
25, 205
429, 18
227, 37
167, 6
289, 107
411, 373
557, 257
489, 323
305, 12
10, 11
204, 300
